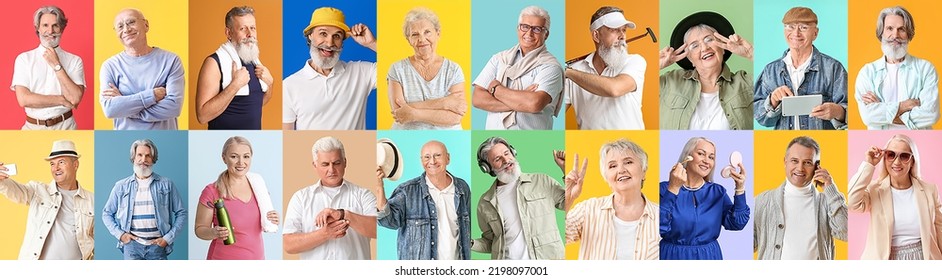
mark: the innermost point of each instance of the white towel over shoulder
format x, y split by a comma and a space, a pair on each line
227, 54
264, 200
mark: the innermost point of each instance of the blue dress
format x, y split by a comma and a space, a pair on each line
691, 220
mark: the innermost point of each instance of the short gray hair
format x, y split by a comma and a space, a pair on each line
806, 142
328, 144
688, 149
535, 11
144, 142
238, 12
622, 145
908, 22
417, 14
709, 29
488, 145
60, 16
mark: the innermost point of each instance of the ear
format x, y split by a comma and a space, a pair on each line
228, 36
146, 26
595, 36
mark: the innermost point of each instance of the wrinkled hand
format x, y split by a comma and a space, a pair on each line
111, 91
778, 94
380, 175
362, 35
127, 237
159, 93
870, 98
240, 75
161, 242
739, 178
263, 74
51, 57
828, 111
873, 155
456, 103
734, 44
908, 104
678, 178
3, 172
575, 178
668, 55
272, 217
822, 176
560, 158
337, 229
405, 113
326, 216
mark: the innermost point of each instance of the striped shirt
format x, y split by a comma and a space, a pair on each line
592, 223
144, 215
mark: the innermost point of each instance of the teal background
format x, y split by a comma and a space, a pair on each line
113, 163
738, 12
770, 42
410, 145
494, 29
535, 155
206, 164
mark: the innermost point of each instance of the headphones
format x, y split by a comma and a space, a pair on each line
482, 158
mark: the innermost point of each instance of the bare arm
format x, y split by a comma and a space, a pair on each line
70, 90
483, 100
527, 101
295, 243
204, 224
364, 225
287, 126
210, 102
603, 86
29, 99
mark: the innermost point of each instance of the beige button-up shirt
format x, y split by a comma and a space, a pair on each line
44, 201
592, 223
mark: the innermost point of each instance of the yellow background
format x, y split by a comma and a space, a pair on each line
454, 44
168, 30
770, 163
208, 31
587, 145
865, 48
28, 149
579, 42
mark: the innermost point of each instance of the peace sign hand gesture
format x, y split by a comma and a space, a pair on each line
735, 44
668, 55
574, 180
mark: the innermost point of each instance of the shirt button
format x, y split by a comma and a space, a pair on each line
433, 227
433, 243
781, 226
778, 246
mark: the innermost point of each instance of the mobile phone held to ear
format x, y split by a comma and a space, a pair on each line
817, 165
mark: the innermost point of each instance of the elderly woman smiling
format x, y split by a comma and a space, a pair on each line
426, 90
705, 94
624, 224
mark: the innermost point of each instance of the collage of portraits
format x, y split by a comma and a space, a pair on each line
470, 129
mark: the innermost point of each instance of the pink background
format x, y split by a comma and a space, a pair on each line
19, 36
929, 144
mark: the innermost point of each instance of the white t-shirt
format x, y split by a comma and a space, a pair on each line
447, 213
891, 92
515, 243
62, 244
625, 234
905, 217
33, 72
334, 102
709, 113
416, 89
611, 113
801, 226
306, 203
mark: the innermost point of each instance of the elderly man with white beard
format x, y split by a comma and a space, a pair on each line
899, 90
233, 84
329, 94
516, 214
144, 211
48, 81
605, 88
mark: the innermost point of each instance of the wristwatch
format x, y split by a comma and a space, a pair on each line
492, 90
58, 67
341, 213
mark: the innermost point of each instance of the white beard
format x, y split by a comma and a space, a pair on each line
508, 177
892, 52
247, 50
615, 55
142, 171
325, 63
50, 43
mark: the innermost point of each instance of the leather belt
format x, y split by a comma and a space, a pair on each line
52, 121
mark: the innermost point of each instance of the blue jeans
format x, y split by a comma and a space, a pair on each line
138, 251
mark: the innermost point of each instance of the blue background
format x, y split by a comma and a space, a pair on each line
206, 164
112, 163
494, 29
769, 34
295, 52
410, 144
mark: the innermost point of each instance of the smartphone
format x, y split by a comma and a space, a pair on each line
817, 165
11, 169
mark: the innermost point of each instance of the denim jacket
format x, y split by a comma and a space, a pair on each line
680, 93
825, 76
171, 213
411, 210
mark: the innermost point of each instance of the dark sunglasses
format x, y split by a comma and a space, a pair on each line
892, 155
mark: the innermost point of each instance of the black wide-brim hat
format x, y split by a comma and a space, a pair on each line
713, 19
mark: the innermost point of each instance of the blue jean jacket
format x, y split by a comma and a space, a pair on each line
825, 76
411, 210
171, 213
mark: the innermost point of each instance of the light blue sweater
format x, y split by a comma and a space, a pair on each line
136, 78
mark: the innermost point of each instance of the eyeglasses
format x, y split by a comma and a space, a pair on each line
695, 45
536, 29
800, 27
120, 26
892, 155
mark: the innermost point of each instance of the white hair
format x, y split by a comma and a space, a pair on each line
622, 145
535, 11
417, 14
327, 144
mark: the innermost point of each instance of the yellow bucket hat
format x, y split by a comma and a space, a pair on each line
328, 16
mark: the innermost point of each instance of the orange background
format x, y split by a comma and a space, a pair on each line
208, 32
579, 42
862, 19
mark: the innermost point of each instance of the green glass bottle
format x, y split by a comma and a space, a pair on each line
222, 215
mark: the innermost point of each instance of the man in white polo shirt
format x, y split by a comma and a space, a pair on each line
329, 94
605, 87
48, 81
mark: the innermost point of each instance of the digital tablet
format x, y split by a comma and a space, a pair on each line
800, 105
